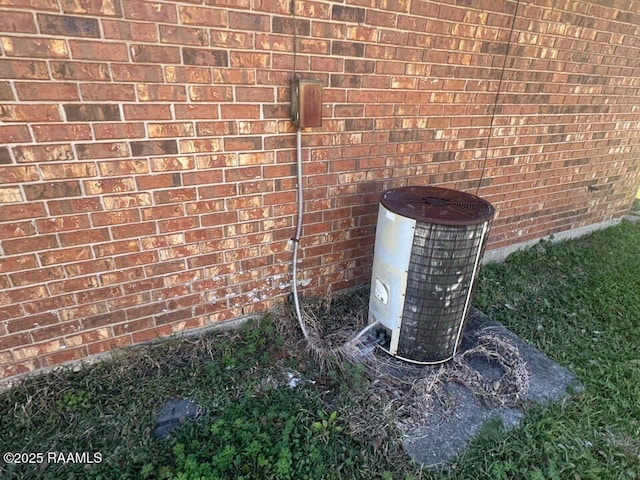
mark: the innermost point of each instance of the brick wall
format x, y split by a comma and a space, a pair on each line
147, 175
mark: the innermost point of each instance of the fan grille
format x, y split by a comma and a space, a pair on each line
437, 205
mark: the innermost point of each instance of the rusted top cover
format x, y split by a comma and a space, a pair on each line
441, 206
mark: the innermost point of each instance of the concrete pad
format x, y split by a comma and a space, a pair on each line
445, 436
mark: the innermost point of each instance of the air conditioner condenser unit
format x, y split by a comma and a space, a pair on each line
428, 249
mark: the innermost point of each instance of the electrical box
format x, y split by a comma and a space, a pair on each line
306, 103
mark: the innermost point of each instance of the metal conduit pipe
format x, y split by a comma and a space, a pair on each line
296, 244
296, 239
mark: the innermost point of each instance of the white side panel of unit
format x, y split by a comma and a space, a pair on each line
394, 239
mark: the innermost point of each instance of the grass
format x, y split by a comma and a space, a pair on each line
577, 301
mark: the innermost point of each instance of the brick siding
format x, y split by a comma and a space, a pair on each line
147, 163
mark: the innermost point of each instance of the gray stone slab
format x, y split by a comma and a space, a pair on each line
173, 414
445, 436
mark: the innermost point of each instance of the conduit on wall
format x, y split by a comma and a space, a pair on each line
306, 111
296, 239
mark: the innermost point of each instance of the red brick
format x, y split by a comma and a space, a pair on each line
227, 39
142, 53
249, 21
149, 182
117, 202
183, 74
216, 128
97, 294
133, 326
68, 26
92, 112
122, 167
205, 57
21, 262
99, 50
109, 131
153, 147
66, 355
18, 368
187, 225
109, 345
34, 91
201, 146
280, 43
147, 112
20, 22
13, 194
157, 13
134, 31
203, 16
107, 92
165, 93
151, 334
35, 299
183, 35
30, 244
164, 211
34, 47
61, 224
72, 285
82, 237
23, 69
133, 230
240, 76
254, 94
5, 91
137, 73
101, 7
170, 130
33, 321
195, 112
348, 14
85, 71
247, 59
79, 205
59, 133
14, 341
91, 151
116, 217
26, 113
163, 164
65, 255
56, 171
17, 229
211, 93
240, 111
18, 174
243, 143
